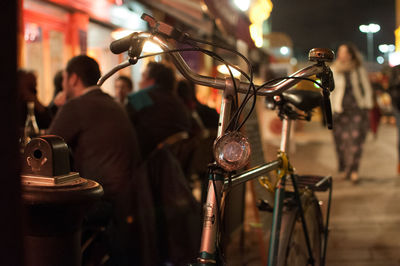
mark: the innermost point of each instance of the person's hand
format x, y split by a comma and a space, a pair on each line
60, 99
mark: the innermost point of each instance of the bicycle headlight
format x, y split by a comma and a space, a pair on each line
232, 151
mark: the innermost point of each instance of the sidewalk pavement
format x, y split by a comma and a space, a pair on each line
365, 218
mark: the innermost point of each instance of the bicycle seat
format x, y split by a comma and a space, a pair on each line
305, 100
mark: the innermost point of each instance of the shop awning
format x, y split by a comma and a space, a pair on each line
234, 22
189, 12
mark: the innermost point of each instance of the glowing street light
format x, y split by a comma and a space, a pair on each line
386, 49
370, 30
242, 4
380, 60
284, 50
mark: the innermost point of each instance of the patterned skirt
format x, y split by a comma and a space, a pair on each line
350, 129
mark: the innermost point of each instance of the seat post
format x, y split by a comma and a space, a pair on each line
285, 139
279, 197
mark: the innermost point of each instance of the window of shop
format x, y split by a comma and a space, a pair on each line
98, 42
44, 46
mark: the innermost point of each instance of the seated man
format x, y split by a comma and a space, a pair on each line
96, 128
156, 111
104, 148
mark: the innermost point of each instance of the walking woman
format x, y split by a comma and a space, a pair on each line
351, 100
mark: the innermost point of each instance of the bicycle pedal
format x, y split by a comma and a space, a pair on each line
263, 205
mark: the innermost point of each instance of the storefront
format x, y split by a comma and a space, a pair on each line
53, 31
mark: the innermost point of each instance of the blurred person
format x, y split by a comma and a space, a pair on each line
351, 100
204, 126
103, 144
123, 86
205, 117
59, 96
27, 92
394, 90
95, 127
156, 111
162, 123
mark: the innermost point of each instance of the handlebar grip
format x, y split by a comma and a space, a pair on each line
327, 109
121, 45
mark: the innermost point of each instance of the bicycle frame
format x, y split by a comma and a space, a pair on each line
217, 186
218, 178
220, 182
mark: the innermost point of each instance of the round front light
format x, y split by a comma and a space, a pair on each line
232, 151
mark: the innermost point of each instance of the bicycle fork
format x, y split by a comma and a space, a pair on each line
211, 222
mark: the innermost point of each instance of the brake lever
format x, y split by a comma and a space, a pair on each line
328, 85
159, 27
327, 108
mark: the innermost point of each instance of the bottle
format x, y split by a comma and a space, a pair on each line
31, 129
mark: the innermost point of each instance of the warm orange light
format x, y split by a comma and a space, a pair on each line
224, 70
256, 34
259, 12
120, 33
397, 37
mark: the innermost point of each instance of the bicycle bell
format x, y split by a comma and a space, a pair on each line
321, 55
232, 151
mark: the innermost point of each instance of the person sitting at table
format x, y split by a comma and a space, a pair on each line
163, 123
102, 140
156, 111
27, 92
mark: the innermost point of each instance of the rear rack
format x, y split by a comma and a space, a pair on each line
313, 182
320, 184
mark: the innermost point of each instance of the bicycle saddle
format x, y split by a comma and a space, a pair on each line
304, 100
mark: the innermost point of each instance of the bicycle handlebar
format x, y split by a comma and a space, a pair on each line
125, 44
160, 31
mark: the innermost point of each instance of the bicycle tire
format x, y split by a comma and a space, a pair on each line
292, 246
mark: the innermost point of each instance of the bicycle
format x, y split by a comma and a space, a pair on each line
293, 211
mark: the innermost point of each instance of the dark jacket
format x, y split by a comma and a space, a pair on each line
102, 139
156, 114
177, 212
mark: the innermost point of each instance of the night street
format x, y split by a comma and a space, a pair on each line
365, 221
365, 218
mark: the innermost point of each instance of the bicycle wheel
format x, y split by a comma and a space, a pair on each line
292, 247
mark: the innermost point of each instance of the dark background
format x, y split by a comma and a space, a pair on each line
10, 208
328, 23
